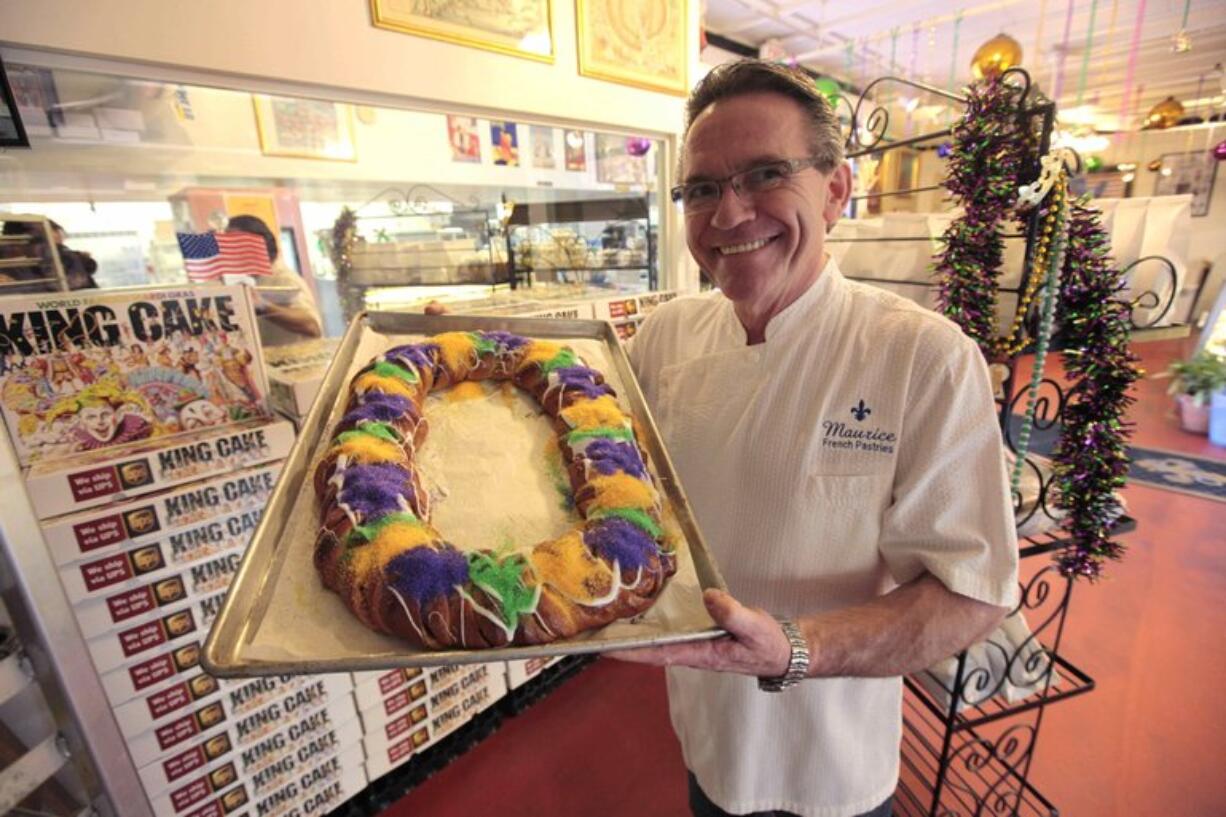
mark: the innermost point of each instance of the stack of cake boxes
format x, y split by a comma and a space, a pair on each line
148, 534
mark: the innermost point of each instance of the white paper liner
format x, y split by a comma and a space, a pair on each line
484, 465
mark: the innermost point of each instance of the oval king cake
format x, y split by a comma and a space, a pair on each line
379, 552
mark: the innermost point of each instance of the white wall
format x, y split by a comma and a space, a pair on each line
331, 44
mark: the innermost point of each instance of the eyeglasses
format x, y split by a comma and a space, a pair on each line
705, 194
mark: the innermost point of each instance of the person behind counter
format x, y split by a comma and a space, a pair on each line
840, 449
297, 317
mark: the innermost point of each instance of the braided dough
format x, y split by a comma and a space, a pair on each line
377, 549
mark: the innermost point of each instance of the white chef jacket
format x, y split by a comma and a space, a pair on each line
854, 449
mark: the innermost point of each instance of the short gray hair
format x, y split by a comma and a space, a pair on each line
750, 76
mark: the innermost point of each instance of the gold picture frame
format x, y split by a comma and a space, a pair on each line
649, 52
305, 128
523, 28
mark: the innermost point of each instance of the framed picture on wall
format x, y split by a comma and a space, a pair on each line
12, 132
521, 28
504, 143
1192, 173
464, 137
641, 44
305, 128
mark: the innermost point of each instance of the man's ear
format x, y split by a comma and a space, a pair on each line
840, 192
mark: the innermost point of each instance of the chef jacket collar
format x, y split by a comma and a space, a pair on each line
817, 303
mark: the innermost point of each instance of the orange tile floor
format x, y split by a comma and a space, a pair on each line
1149, 740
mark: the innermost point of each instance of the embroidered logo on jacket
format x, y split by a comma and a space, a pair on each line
861, 411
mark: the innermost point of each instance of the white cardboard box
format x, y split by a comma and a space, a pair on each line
139, 602
115, 474
169, 666
418, 732
177, 626
208, 753
238, 697
178, 517
319, 790
320, 691
521, 672
343, 740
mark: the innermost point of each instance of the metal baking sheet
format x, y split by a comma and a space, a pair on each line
272, 603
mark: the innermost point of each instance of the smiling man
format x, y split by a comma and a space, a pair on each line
840, 448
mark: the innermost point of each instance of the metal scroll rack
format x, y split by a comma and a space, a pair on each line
967, 749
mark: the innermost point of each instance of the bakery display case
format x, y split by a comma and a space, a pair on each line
606, 243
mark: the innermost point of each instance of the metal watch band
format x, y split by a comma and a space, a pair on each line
798, 661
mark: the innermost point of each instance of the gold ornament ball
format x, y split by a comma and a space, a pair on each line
996, 56
1166, 114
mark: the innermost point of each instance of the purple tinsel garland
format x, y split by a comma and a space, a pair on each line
1091, 459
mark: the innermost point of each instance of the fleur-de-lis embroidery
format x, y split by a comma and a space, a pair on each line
861, 411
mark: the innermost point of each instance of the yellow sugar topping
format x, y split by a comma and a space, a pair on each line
457, 351
603, 412
367, 449
538, 352
387, 385
622, 491
466, 390
390, 542
568, 566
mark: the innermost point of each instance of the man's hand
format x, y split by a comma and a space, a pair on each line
755, 644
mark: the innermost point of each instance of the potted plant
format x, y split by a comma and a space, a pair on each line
1196, 379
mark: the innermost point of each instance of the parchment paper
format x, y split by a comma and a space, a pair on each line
491, 466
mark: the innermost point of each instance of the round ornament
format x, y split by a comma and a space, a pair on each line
1166, 114
828, 88
996, 56
1094, 164
944, 149
1154, 166
1219, 151
638, 145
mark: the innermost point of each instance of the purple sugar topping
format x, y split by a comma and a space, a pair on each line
419, 355
374, 490
378, 407
610, 456
618, 540
423, 574
507, 340
583, 380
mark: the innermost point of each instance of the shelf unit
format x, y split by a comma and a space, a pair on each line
609, 211
31, 249
967, 750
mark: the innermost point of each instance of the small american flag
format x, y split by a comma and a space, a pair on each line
208, 256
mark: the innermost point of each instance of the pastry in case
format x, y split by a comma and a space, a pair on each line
185, 518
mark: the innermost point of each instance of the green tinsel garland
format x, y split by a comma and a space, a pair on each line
1091, 459
344, 236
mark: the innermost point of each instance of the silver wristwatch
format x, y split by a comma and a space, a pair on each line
798, 661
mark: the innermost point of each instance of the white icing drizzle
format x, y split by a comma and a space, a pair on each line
487, 614
408, 615
616, 587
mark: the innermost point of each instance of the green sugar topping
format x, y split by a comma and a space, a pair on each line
366, 533
503, 580
483, 345
562, 360
578, 435
371, 428
385, 368
634, 516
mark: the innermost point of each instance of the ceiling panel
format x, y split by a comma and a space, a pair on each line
933, 42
